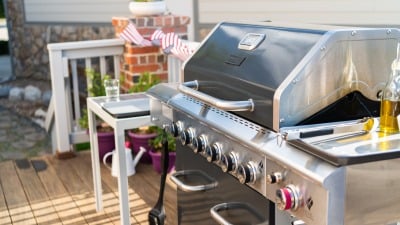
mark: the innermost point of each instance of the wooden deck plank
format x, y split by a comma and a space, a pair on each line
109, 185
40, 203
4, 215
138, 208
84, 170
146, 183
74, 203
79, 190
49, 178
60, 199
18, 205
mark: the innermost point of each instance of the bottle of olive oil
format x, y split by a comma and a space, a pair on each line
390, 102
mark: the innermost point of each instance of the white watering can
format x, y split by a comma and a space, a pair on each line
130, 162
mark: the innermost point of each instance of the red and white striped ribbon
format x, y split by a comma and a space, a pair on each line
157, 35
131, 34
170, 42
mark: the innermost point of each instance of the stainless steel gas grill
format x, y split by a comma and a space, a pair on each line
278, 125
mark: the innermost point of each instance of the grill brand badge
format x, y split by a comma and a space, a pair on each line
251, 41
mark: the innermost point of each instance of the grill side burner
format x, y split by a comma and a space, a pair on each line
247, 86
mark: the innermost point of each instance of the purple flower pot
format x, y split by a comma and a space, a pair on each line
156, 158
106, 143
138, 140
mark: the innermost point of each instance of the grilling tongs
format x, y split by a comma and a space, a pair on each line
344, 129
157, 213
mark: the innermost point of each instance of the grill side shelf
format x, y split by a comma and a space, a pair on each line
342, 160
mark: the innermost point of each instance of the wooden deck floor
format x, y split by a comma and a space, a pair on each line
45, 190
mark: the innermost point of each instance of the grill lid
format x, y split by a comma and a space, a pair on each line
249, 61
290, 73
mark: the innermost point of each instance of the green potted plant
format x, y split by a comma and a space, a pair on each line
105, 133
141, 136
157, 147
147, 7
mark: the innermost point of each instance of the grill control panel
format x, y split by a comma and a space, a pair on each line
253, 155
232, 157
249, 166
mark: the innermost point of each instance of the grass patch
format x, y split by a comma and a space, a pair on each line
2, 13
4, 48
82, 146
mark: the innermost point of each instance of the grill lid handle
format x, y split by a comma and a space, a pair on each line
191, 88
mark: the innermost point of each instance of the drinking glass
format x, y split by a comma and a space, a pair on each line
112, 88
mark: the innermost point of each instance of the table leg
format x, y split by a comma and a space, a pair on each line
123, 177
95, 161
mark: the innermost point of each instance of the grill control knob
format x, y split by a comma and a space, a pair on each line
187, 136
273, 178
199, 144
288, 198
214, 152
229, 162
298, 222
247, 173
176, 128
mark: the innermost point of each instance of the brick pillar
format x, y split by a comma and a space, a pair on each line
151, 59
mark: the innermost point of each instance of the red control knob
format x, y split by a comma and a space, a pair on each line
287, 198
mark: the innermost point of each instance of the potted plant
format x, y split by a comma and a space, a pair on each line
141, 136
147, 7
105, 133
157, 147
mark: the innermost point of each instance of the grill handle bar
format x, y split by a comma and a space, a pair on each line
191, 88
214, 211
193, 188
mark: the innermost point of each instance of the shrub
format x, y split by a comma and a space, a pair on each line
4, 48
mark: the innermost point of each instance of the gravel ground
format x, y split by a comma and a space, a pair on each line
25, 108
20, 137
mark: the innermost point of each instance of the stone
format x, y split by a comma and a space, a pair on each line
40, 113
23, 144
39, 122
40, 34
35, 137
32, 93
46, 97
13, 155
5, 124
4, 90
16, 94
3, 138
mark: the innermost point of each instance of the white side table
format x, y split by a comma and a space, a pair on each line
94, 105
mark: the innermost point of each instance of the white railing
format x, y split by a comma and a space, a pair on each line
64, 111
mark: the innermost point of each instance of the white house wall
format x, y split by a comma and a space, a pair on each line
74, 11
362, 12
210, 12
